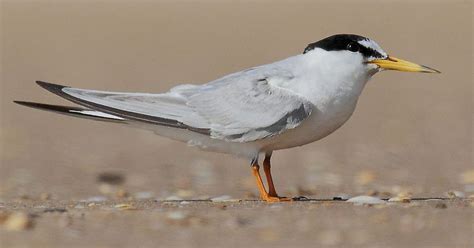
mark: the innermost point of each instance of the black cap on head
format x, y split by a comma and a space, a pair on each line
347, 42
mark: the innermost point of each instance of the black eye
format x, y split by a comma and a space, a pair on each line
353, 47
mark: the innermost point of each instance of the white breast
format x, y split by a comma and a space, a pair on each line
333, 82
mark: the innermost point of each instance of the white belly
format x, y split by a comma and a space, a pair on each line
316, 127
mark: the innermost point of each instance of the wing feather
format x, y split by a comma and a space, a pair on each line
250, 109
241, 107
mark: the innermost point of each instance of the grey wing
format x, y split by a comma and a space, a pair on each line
241, 107
244, 108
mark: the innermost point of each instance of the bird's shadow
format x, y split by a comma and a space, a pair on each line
297, 199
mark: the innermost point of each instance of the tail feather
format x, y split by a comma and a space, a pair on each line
133, 107
74, 111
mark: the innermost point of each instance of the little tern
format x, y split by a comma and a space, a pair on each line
288, 103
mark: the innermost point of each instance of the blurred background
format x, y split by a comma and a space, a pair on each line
410, 132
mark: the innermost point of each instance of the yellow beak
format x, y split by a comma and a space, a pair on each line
392, 63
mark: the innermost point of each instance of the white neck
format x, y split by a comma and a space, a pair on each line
328, 78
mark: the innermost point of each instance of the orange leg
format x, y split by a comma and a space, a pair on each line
268, 197
268, 175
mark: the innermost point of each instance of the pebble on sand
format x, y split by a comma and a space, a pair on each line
45, 196
113, 178
341, 197
400, 199
441, 205
403, 197
455, 194
366, 200
18, 221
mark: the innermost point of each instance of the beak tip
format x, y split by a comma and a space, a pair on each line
430, 70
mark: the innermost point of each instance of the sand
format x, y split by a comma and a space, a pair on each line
411, 134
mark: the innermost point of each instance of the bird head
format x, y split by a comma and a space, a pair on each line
372, 55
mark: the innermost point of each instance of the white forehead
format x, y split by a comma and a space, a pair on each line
372, 44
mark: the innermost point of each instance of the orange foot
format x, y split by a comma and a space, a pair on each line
268, 198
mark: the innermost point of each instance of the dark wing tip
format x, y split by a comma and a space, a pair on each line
69, 110
22, 102
28, 104
54, 88
44, 106
19, 102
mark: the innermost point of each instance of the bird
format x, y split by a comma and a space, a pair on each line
253, 112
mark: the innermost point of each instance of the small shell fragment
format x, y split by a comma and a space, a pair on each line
403, 197
173, 198
224, 198
95, 199
125, 206
366, 200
